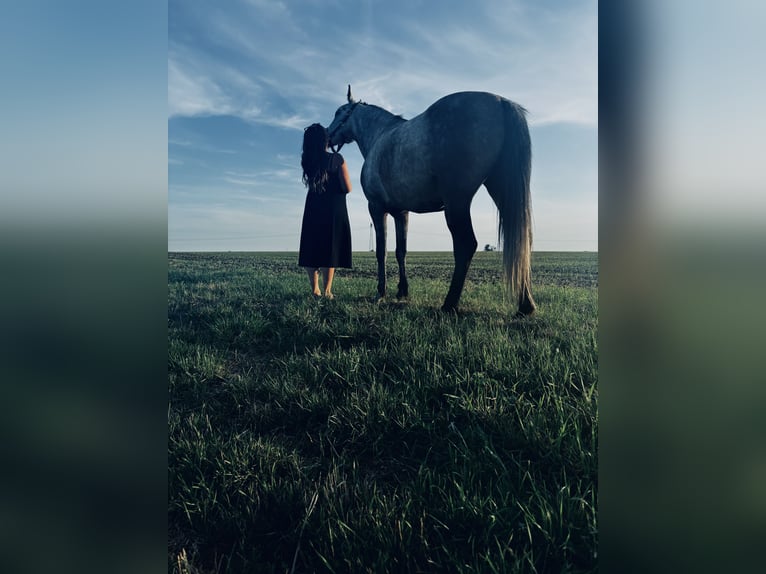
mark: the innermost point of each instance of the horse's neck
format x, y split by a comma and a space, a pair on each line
370, 125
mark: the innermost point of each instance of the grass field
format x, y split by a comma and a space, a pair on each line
349, 436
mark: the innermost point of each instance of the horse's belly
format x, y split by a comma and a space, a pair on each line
401, 187
409, 203
424, 205
428, 209
413, 196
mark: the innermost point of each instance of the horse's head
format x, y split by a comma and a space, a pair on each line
339, 131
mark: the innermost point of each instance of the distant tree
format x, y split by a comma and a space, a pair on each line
489, 247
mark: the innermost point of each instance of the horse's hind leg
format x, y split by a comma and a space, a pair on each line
401, 220
498, 185
464, 246
379, 222
526, 303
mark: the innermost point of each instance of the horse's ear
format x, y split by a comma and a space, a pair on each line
348, 95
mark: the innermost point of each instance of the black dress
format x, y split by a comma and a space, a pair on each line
326, 232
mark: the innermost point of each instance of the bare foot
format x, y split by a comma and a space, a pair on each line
329, 295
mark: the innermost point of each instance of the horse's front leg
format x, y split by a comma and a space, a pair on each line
379, 222
401, 220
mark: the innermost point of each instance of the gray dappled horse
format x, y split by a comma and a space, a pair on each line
437, 161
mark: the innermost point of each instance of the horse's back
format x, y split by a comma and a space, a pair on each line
467, 129
442, 154
465, 114
463, 100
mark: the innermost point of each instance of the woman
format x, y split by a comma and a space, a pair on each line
325, 232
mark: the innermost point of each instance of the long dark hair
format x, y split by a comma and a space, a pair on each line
315, 141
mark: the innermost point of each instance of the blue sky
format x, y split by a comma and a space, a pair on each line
246, 76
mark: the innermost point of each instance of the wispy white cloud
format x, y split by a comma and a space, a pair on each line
266, 178
273, 8
241, 181
268, 73
192, 93
200, 86
200, 145
230, 224
221, 193
293, 122
547, 62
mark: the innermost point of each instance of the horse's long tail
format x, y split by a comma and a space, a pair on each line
513, 200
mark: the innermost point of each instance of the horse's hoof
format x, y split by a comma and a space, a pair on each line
451, 309
524, 313
526, 308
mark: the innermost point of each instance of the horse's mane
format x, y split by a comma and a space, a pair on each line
399, 118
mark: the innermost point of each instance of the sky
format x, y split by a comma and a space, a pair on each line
246, 76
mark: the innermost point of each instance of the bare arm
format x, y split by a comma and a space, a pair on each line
345, 180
